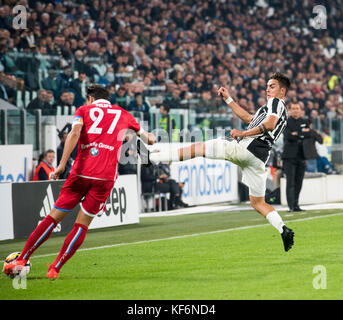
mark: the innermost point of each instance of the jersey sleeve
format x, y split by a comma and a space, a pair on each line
78, 116
275, 107
132, 123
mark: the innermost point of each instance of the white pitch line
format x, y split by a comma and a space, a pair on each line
189, 235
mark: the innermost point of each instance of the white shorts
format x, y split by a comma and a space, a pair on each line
253, 169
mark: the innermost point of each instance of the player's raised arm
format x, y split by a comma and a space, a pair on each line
69, 146
147, 137
268, 124
235, 107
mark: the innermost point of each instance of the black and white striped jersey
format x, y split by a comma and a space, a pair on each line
276, 107
262, 143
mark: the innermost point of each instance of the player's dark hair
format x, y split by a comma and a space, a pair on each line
98, 92
284, 81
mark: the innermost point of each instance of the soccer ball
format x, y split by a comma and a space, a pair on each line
11, 257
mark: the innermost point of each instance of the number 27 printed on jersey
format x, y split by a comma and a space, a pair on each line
97, 114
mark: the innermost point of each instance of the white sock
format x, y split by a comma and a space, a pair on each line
165, 156
275, 220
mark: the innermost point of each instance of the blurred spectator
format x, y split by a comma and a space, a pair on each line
109, 76
8, 86
149, 178
7, 93
41, 102
45, 167
168, 123
50, 99
323, 163
207, 103
120, 98
139, 104
327, 141
101, 70
58, 49
79, 88
178, 198
233, 43
167, 185
63, 80
310, 149
172, 98
29, 64
81, 66
66, 99
50, 83
299, 146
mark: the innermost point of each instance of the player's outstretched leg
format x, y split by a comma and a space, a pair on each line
35, 240
265, 209
212, 149
72, 242
181, 154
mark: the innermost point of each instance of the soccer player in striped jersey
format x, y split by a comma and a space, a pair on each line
249, 149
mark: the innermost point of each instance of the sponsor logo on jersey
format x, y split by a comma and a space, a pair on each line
95, 145
94, 151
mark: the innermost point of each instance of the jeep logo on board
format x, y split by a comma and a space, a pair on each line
117, 202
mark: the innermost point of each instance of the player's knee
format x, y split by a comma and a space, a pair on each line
256, 202
84, 219
57, 215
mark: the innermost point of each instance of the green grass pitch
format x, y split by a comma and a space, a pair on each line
208, 256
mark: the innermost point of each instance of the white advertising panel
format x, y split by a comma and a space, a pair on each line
122, 206
15, 163
6, 216
206, 180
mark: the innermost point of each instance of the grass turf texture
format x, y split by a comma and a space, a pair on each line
219, 256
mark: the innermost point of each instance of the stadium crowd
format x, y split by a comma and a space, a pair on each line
187, 47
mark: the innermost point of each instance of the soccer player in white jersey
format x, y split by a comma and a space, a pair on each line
248, 149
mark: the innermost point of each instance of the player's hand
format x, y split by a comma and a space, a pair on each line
234, 133
152, 139
55, 175
223, 92
148, 138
